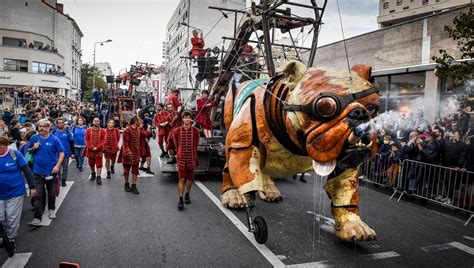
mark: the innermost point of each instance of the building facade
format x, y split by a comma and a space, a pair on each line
40, 47
105, 69
392, 12
197, 15
400, 56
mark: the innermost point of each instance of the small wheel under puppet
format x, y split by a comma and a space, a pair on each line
260, 230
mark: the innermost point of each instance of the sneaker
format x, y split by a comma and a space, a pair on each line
108, 175
13, 246
112, 170
148, 171
180, 204
142, 168
172, 161
99, 180
127, 187
63, 184
80, 169
134, 189
52, 214
92, 178
187, 201
35, 222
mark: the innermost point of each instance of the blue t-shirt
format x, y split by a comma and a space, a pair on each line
47, 154
12, 183
79, 135
64, 136
147, 121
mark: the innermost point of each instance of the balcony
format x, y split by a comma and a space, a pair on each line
11, 78
30, 55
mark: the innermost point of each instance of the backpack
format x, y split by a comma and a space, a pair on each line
13, 155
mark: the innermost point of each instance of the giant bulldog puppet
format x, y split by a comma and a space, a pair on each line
305, 119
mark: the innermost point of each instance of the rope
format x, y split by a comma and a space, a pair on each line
344, 40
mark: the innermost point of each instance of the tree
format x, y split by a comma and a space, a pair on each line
87, 72
462, 68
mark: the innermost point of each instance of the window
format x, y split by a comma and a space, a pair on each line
15, 65
405, 8
38, 44
399, 2
42, 68
385, 5
392, 11
10, 41
424, 2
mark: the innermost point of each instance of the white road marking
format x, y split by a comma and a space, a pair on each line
326, 225
143, 174
446, 246
103, 174
468, 237
380, 255
18, 260
436, 247
326, 263
45, 220
267, 253
463, 247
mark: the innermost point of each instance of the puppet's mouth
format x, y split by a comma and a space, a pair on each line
355, 151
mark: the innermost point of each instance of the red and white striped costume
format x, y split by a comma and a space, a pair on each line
130, 152
112, 138
95, 138
186, 142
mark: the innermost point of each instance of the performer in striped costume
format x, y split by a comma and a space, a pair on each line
186, 141
112, 138
95, 140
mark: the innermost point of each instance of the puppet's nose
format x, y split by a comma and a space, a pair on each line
359, 114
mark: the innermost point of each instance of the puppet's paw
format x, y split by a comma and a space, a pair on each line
232, 199
354, 229
270, 193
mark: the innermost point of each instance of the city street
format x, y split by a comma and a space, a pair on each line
104, 226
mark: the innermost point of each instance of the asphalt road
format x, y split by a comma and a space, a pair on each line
104, 226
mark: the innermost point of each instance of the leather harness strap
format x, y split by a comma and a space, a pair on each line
274, 115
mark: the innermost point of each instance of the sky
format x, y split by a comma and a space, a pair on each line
138, 27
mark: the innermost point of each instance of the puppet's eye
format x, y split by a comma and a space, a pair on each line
326, 107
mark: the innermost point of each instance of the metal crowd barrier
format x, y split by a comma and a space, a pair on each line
375, 171
447, 186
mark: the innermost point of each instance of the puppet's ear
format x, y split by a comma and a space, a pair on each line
293, 72
363, 70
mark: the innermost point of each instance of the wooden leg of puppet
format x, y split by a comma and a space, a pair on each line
343, 191
270, 192
240, 178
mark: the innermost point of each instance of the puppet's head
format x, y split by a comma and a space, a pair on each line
324, 111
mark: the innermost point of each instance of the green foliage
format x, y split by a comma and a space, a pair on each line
87, 73
462, 31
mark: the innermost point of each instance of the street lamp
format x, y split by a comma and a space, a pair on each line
93, 75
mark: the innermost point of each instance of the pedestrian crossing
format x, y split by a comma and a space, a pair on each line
103, 174
45, 220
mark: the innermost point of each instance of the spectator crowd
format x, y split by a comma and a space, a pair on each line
447, 142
